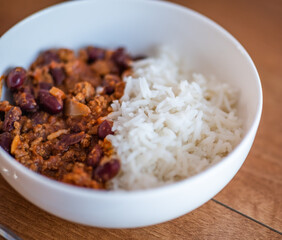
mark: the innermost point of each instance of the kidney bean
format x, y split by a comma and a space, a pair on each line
109, 90
121, 58
11, 116
2, 116
95, 156
104, 129
49, 56
6, 141
72, 138
25, 100
106, 171
58, 75
16, 78
45, 85
69, 139
49, 103
95, 54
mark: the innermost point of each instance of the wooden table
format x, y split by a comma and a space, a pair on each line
250, 207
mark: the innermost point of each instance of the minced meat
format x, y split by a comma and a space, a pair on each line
56, 125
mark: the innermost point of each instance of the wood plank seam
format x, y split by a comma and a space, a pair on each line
244, 215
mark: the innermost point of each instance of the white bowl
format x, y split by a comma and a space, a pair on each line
138, 25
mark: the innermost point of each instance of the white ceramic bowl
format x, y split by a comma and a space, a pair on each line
138, 25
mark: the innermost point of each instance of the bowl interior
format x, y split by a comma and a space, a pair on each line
139, 26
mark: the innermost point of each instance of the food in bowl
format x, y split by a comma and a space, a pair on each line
57, 125
203, 45
169, 124
92, 121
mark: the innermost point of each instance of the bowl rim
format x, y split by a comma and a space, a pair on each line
80, 191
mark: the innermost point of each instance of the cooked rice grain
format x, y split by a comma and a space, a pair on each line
170, 125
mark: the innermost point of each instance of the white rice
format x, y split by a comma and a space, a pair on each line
170, 125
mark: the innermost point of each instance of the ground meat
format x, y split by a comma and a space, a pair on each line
57, 126
83, 91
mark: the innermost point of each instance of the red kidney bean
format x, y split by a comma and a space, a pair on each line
11, 116
95, 156
2, 116
109, 90
49, 56
6, 141
49, 103
106, 171
121, 58
16, 78
69, 139
104, 129
45, 85
25, 100
58, 75
95, 54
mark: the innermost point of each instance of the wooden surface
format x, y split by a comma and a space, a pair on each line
250, 207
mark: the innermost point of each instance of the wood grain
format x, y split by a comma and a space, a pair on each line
257, 188
211, 221
251, 205
12, 11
